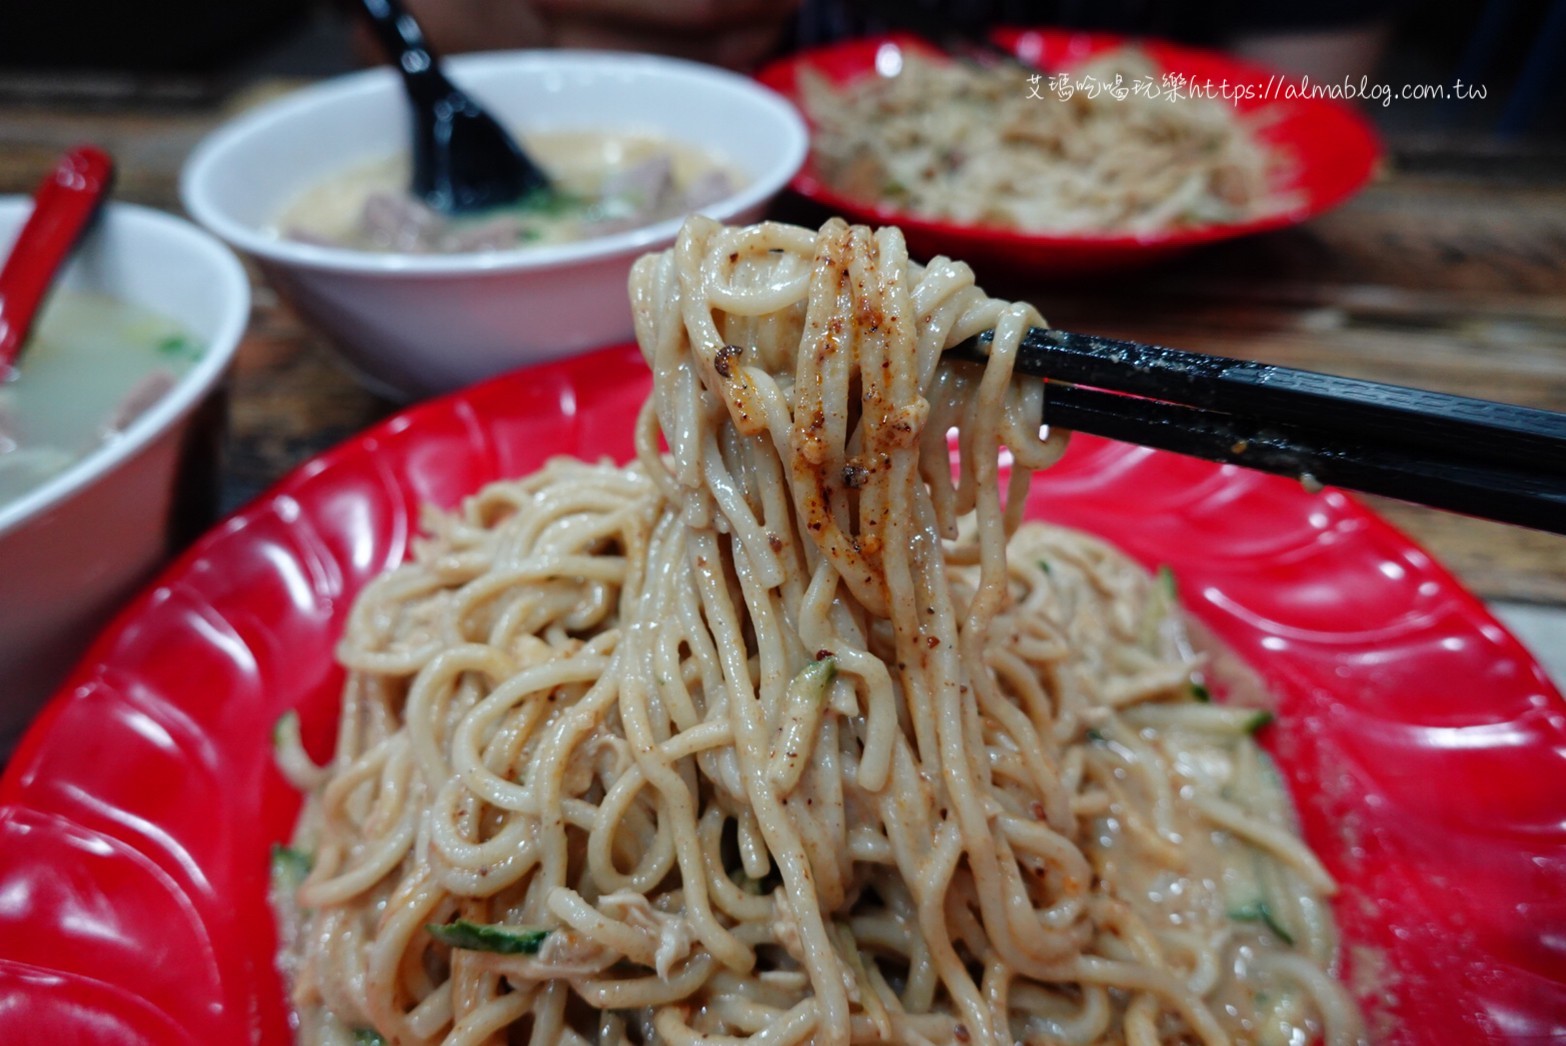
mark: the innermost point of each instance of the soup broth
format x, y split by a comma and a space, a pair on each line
92, 366
604, 182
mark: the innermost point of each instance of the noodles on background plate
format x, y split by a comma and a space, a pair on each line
1053, 167
790, 734
992, 145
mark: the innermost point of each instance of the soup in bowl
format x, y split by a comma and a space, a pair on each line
94, 364
604, 182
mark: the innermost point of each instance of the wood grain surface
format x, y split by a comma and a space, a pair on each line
1449, 273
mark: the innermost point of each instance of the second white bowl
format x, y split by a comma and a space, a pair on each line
410, 324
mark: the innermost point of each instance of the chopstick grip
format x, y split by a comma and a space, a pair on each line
1320, 402
1493, 460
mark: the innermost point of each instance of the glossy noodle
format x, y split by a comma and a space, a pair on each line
793, 733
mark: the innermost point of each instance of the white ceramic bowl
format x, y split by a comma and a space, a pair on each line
411, 325
73, 548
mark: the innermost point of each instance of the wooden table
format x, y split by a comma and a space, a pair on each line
1448, 273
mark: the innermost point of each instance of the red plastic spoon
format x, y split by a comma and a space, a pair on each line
64, 205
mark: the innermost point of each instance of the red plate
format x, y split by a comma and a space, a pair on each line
1329, 153
1426, 749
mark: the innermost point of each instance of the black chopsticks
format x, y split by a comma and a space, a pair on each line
1492, 460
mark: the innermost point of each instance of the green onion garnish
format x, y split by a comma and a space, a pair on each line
291, 865
178, 345
1259, 911
489, 937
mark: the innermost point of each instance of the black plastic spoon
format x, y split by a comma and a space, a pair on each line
463, 160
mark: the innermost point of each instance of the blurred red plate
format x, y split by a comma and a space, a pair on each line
1330, 152
1425, 748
